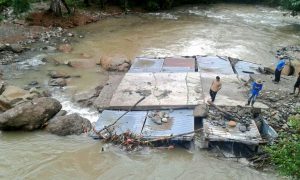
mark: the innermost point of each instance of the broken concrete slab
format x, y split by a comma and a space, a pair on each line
215, 65
201, 111
162, 91
233, 93
179, 65
103, 100
231, 134
142, 65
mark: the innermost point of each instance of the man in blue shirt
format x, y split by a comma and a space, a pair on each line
279, 67
256, 87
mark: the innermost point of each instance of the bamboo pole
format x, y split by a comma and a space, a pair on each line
106, 127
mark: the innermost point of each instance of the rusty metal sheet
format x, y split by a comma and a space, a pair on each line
214, 64
181, 121
228, 134
179, 65
132, 121
142, 65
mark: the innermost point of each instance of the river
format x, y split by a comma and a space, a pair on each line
247, 32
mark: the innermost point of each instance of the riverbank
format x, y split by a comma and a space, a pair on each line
187, 31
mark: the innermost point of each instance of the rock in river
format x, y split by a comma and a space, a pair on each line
115, 63
57, 82
68, 125
31, 115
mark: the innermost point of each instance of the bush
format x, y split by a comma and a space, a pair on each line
20, 6
291, 4
152, 5
285, 154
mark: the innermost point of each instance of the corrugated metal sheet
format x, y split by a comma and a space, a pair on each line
217, 133
268, 131
132, 121
182, 121
213, 64
142, 65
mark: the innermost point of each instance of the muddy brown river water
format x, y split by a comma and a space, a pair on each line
246, 32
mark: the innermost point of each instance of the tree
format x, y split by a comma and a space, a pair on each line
56, 8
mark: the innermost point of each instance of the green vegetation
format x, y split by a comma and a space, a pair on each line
20, 6
285, 154
291, 4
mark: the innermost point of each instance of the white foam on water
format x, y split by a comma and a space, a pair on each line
164, 16
68, 105
32, 62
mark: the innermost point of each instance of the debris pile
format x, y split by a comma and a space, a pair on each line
230, 116
159, 117
281, 106
126, 141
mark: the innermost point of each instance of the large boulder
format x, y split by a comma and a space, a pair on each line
68, 125
31, 115
296, 65
115, 63
13, 95
287, 70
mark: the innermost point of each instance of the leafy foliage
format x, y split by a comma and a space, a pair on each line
4, 3
20, 6
294, 122
291, 4
285, 154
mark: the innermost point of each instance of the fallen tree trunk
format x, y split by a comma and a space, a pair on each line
56, 9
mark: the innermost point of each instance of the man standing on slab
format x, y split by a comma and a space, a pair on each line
214, 88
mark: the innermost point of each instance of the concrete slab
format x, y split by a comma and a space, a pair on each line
182, 121
179, 65
286, 83
213, 64
233, 93
162, 91
142, 65
133, 121
229, 134
103, 100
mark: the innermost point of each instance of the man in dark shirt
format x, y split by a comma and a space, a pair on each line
297, 85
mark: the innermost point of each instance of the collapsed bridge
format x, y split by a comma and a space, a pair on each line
178, 87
